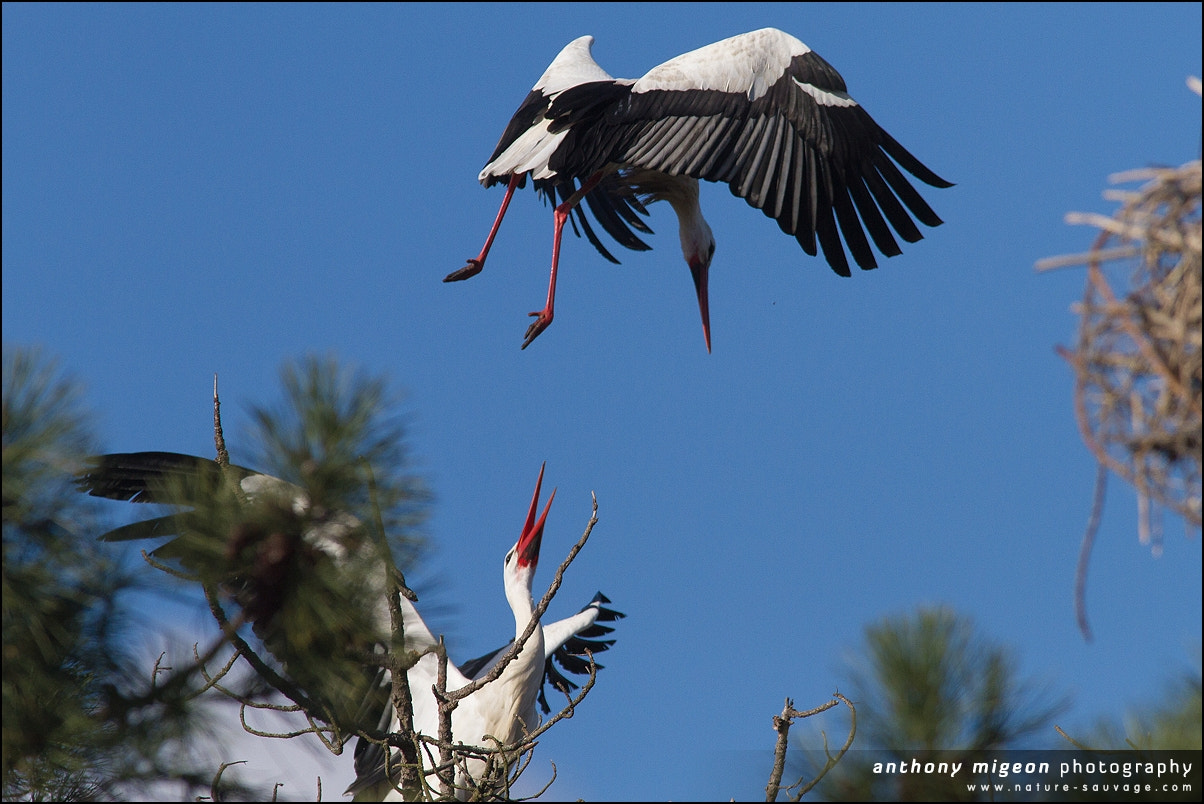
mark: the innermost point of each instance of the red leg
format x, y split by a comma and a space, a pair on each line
474, 266
559, 216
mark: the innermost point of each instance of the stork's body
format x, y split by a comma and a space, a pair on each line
760, 112
504, 708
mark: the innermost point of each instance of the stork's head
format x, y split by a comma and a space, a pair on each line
524, 555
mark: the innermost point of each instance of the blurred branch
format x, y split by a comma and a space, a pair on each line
215, 787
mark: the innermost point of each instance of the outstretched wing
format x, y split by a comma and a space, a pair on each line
567, 645
573, 653
764, 114
167, 478
154, 477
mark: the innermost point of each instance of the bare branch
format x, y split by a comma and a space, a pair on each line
219, 440
398, 660
782, 724
217, 779
1070, 739
211, 681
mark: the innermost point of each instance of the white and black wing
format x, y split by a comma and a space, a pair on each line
527, 142
764, 114
573, 654
567, 645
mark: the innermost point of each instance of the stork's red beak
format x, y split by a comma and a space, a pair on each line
529, 541
699, 270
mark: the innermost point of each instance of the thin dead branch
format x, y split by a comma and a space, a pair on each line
782, 724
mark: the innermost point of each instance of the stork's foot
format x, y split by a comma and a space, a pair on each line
472, 269
543, 318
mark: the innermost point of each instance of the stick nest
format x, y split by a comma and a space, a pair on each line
1137, 359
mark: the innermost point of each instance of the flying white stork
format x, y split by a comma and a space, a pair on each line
503, 708
760, 111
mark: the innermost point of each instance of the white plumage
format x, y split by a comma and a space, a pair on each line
760, 112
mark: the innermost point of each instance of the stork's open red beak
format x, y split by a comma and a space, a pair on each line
699, 271
532, 535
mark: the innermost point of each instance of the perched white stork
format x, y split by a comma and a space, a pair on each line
503, 708
760, 112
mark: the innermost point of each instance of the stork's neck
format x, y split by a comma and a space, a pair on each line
524, 674
520, 603
697, 240
518, 594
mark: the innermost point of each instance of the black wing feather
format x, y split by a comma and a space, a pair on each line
573, 655
153, 477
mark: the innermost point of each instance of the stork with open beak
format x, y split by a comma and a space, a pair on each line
504, 708
760, 112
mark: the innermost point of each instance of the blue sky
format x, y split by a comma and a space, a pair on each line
222, 188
